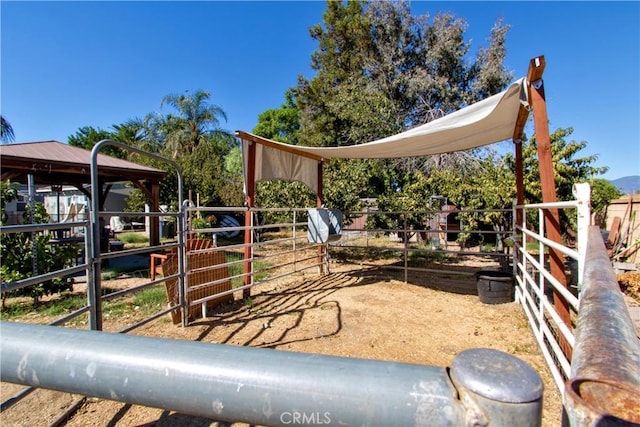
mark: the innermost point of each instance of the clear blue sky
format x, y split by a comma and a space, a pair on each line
66, 65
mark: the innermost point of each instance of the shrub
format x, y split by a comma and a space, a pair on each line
28, 254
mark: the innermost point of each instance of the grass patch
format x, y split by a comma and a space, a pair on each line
133, 238
59, 306
145, 302
259, 268
534, 248
151, 297
15, 310
64, 305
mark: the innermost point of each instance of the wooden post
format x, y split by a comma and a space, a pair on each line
518, 134
547, 180
319, 203
519, 181
250, 184
319, 197
154, 221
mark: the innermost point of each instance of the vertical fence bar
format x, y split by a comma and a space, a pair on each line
183, 230
89, 261
32, 206
406, 247
94, 286
582, 192
541, 278
295, 258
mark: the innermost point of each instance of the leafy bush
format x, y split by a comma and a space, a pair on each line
28, 254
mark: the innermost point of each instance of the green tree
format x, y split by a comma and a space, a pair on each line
492, 186
191, 136
381, 70
131, 132
280, 124
602, 192
233, 188
88, 136
569, 167
338, 60
6, 130
196, 123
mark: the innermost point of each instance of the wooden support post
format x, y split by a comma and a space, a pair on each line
250, 185
519, 181
518, 134
154, 221
319, 203
547, 180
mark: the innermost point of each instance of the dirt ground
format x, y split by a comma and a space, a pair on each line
354, 311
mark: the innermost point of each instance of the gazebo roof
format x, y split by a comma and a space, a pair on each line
53, 162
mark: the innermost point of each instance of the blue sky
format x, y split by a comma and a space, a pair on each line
65, 65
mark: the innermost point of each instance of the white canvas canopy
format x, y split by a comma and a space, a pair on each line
485, 122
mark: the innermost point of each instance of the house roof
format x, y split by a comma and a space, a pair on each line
53, 162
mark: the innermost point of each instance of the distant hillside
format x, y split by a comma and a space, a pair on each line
628, 184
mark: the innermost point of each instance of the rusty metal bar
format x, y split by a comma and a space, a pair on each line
604, 388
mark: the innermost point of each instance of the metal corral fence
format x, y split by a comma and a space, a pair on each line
426, 244
536, 284
260, 386
240, 257
274, 249
272, 388
595, 357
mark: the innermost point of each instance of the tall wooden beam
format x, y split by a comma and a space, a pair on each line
154, 221
547, 180
319, 196
319, 203
250, 186
518, 134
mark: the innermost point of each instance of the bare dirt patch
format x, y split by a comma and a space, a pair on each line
355, 312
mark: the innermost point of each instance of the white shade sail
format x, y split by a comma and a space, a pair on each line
485, 122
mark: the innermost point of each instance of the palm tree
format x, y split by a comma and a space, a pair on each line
130, 132
196, 121
6, 131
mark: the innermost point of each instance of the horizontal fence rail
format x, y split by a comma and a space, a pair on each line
272, 388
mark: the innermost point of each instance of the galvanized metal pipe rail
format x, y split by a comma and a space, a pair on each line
272, 388
604, 388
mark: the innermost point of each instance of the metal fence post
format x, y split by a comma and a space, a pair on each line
582, 193
497, 389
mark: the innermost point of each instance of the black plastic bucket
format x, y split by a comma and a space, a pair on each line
495, 287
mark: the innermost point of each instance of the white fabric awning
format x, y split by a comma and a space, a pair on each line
485, 122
